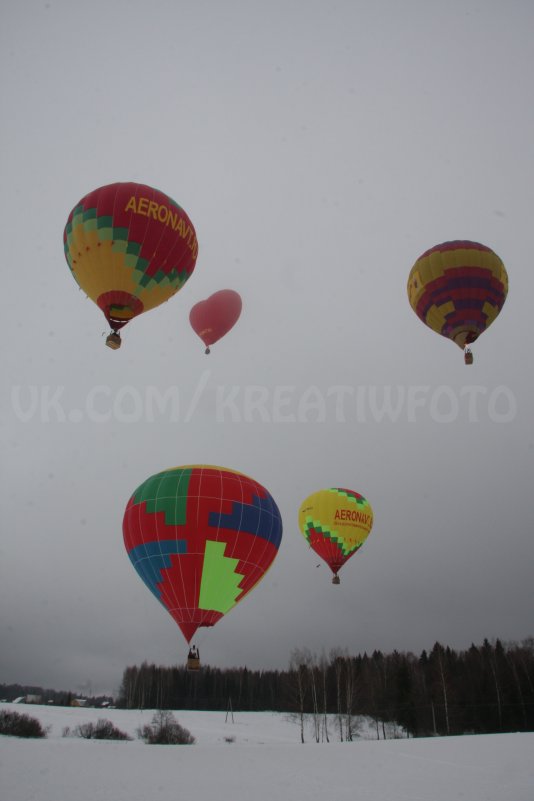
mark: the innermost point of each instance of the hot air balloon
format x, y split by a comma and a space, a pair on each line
212, 318
335, 523
130, 248
201, 537
458, 288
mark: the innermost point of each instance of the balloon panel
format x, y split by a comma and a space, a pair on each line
201, 537
335, 522
130, 248
457, 289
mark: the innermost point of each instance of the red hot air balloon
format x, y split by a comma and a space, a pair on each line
212, 318
201, 537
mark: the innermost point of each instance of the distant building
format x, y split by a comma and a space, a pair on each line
28, 699
79, 702
33, 699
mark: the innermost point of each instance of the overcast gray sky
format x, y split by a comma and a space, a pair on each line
319, 148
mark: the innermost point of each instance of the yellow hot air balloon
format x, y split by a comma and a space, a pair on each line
335, 522
458, 288
130, 248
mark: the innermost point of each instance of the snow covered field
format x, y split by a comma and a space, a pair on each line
257, 757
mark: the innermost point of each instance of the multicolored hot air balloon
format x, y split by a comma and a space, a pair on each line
457, 289
130, 248
335, 523
201, 537
212, 318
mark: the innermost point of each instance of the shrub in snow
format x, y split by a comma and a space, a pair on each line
17, 725
165, 730
101, 730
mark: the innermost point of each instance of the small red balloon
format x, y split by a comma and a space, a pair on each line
212, 318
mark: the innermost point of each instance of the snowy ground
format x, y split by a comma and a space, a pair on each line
257, 757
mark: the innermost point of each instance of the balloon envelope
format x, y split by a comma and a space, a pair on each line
130, 248
212, 318
201, 537
335, 522
458, 288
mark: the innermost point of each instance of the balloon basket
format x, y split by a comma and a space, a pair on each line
193, 664
468, 357
113, 341
335, 580
207, 351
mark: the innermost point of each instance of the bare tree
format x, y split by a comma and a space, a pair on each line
350, 696
298, 664
337, 659
323, 667
437, 656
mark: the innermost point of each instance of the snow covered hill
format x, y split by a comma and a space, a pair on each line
257, 757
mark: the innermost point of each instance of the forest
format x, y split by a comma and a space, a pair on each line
486, 688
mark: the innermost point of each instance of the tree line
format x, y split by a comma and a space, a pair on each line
486, 688
10, 692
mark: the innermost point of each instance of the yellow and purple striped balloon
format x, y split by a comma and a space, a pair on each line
457, 289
